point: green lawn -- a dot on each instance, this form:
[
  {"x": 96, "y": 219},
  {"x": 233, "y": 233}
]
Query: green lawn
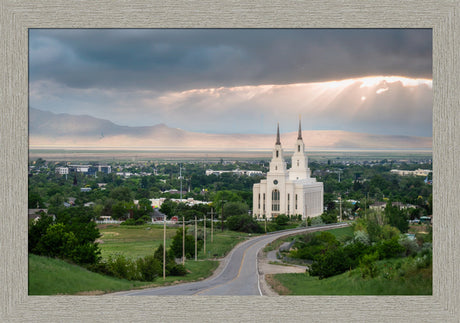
[{"x": 390, "y": 281}]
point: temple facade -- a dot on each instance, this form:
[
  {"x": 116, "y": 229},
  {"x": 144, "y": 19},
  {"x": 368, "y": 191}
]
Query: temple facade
[{"x": 288, "y": 191}]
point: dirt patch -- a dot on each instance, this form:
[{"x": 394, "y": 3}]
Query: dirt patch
[
  {"x": 266, "y": 268},
  {"x": 109, "y": 234},
  {"x": 104, "y": 226},
  {"x": 276, "y": 285}
]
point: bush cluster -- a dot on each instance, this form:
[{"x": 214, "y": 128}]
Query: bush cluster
[
  {"x": 331, "y": 257},
  {"x": 147, "y": 268},
  {"x": 244, "y": 223}
]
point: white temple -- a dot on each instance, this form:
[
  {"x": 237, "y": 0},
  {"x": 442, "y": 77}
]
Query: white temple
[{"x": 288, "y": 191}]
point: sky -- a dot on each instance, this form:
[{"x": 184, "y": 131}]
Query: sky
[{"x": 375, "y": 81}]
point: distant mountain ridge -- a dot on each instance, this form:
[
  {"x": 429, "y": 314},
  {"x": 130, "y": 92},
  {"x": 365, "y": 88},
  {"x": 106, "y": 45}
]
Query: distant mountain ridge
[{"x": 47, "y": 129}]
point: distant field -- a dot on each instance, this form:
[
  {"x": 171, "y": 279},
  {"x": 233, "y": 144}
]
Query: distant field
[
  {"x": 214, "y": 156},
  {"x": 140, "y": 241},
  {"x": 133, "y": 241}
]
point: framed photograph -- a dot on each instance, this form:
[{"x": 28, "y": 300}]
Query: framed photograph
[{"x": 19, "y": 18}]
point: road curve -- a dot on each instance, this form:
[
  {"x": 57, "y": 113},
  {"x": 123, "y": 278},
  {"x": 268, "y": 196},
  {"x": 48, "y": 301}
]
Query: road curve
[{"x": 240, "y": 273}]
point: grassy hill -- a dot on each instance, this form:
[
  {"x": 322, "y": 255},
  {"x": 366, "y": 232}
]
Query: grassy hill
[
  {"x": 48, "y": 276},
  {"x": 396, "y": 277}
]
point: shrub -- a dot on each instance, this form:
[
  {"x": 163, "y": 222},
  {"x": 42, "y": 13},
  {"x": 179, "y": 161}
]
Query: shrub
[
  {"x": 316, "y": 221},
  {"x": 332, "y": 262},
  {"x": 410, "y": 246},
  {"x": 362, "y": 237},
  {"x": 244, "y": 223},
  {"x": 176, "y": 269},
  {"x": 149, "y": 268},
  {"x": 367, "y": 265},
  {"x": 329, "y": 217},
  {"x": 121, "y": 267},
  {"x": 130, "y": 222},
  {"x": 389, "y": 248}
]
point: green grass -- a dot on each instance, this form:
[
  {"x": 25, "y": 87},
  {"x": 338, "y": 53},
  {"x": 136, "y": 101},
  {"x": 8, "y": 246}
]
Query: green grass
[
  {"x": 140, "y": 241},
  {"x": 133, "y": 241},
  {"x": 197, "y": 270},
  {"x": 49, "y": 276},
  {"x": 342, "y": 233},
  {"x": 391, "y": 281}
]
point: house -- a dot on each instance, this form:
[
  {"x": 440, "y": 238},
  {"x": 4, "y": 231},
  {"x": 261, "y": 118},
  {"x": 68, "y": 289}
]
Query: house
[{"x": 35, "y": 214}]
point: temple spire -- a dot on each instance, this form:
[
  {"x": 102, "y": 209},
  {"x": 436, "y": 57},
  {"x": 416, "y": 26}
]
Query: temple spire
[
  {"x": 300, "y": 130},
  {"x": 278, "y": 141}
]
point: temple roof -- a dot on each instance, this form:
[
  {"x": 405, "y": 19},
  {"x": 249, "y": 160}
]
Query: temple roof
[{"x": 278, "y": 142}]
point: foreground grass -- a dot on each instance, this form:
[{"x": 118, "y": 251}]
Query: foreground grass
[
  {"x": 409, "y": 282},
  {"x": 49, "y": 276}
]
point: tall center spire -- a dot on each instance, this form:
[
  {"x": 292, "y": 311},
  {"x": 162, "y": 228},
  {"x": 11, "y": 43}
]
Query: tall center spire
[
  {"x": 278, "y": 141},
  {"x": 300, "y": 130}
]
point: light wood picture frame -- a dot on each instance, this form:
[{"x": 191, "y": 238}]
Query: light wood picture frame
[{"x": 17, "y": 17}]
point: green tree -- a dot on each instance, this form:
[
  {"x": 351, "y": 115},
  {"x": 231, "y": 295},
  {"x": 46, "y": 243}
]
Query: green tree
[
  {"x": 176, "y": 244},
  {"x": 243, "y": 223},
  {"x": 121, "y": 194},
  {"x": 35, "y": 201},
  {"x": 396, "y": 218},
  {"x": 235, "y": 208}
]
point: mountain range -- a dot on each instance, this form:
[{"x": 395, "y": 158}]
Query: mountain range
[{"x": 47, "y": 129}]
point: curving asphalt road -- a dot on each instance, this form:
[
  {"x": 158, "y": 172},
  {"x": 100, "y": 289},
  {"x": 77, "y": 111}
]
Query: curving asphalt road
[{"x": 239, "y": 276}]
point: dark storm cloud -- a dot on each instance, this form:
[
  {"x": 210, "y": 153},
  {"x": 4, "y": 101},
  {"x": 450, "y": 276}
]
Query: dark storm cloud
[{"x": 171, "y": 59}]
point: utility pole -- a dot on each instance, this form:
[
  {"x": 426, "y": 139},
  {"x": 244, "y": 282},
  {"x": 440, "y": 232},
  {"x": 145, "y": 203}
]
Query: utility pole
[
  {"x": 183, "y": 240},
  {"x": 164, "y": 247},
  {"x": 212, "y": 225},
  {"x": 340, "y": 204},
  {"x": 265, "y": 224},
  {"x": 180, "y": 176},
  {"x": 204, "y": 229},
  {"x": 222, "y": 213},
  {"x": 196, "y": 239}
]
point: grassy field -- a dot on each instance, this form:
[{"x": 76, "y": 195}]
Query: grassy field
[
  {"x": 49, "y": 276},
  {"x": 133, "y": 241},
  {"x": 399, "y": 282},
  {"x": 140, "y": 241}
]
